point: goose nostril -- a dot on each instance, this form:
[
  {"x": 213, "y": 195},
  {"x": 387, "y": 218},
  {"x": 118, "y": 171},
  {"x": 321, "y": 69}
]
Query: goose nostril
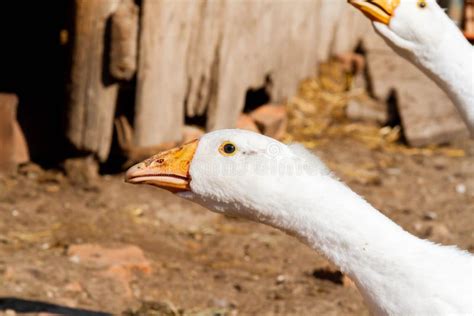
[{"x": 160, "y": 161}]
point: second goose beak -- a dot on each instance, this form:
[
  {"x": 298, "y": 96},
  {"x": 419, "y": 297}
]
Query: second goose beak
[{"x": 377, "y": 10}]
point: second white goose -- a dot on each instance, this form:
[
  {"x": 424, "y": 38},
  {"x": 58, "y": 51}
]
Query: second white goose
[{"x": 421, "y": 32}]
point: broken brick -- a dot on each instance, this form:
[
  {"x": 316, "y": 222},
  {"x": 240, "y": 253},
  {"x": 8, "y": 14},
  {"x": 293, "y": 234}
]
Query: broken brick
[
  {"x": 271, "y": 119},
  {"x": 118, "y": 264},
  {"x": 128, "y": 256}
]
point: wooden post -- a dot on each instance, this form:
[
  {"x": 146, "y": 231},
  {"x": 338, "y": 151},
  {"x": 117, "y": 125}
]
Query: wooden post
[
  {"x": 123, "y": 51},
  {"x": 161, "y": 78},
  {"x": 93, "y": 95}
]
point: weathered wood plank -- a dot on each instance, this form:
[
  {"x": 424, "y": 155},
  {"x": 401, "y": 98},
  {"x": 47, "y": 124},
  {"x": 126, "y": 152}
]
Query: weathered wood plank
[
  {"x": 161, "y": 80},
  {"x": 124, "y": 41},
  {"x": 204, "y": 55},
  {"x": 93, "y": 95},
  {"x": 279, "y": 41}
]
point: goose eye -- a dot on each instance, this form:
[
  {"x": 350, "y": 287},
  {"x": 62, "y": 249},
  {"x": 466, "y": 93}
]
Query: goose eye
[
  {"x": 227, "y": 149},
  {"x": 422, "y": 4}
]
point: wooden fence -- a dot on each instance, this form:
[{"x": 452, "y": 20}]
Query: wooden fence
[
  {"x": 167, "y": 63},
  {"x": 193, "y": 58}
]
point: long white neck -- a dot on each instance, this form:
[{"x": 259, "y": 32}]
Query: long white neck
[
  {"x": 396, "y": 272},
  {"x": 383, "y": 259},
  {"x": 346, "y": 229},
  {"x": 451, "y": 65}
]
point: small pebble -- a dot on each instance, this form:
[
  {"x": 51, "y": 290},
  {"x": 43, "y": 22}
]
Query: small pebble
[
  {"x": 393, "y": 171},
  {"x": 32, "y": 175},
  {"x": 430, "y": 216},
  {"x": 10, "y": 312},
  {"x": 15, "y": 213},
  {"x": 52, "y": 188},
  {"x": 438, "y": 232},
  {"x": 280, "y": 279},
  {"x": 461, "y": 188},
  {"x": 137, "y": 212},
  {"x": 418, "y": 226},
  {"x": 221, "y": 302},
  {"x": 45, "y": 246}
]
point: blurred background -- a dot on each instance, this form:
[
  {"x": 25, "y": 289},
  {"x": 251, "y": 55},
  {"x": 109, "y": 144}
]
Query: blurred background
[{"x": 89, "y": 87}]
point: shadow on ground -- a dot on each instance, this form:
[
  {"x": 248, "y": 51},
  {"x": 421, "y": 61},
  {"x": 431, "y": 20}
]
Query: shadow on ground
[{"x": 27, "y": 306}]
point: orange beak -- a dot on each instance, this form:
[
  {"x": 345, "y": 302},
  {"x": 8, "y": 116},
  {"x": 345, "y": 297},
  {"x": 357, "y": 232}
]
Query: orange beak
[
  {"x": 167, "y": 170},
  {"x": 377, "y": 10}
]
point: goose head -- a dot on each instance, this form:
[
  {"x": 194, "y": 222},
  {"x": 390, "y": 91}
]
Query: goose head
[
  {"x": 406, "y": 24},
  {"x": 234, "y": 172}
]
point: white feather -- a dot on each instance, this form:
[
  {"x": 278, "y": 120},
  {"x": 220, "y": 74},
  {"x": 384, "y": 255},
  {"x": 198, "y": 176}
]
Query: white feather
[{"x": 429, "y": 39}]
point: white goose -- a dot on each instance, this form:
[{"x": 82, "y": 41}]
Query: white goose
[
  {"x": 240, "y": 173},
  {"x": 420, "y": 31}
]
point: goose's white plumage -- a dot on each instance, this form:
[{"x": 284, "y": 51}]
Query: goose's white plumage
[
  {"x": 421, "y": 32},
  {"x": 289, "y": 188}
]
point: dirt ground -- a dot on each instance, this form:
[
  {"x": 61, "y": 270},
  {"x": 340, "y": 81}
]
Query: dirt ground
[{"x": 161, "y": 255}]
